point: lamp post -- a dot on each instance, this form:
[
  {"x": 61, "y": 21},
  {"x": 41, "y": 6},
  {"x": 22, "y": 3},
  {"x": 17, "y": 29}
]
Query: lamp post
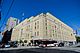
[
  {"x": 20, "y": 37},
  {"x": 32, "y": 40}
]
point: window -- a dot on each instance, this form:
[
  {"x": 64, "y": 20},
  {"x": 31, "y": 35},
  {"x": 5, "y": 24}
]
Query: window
[
  {"x": 37, "y": 33},
  {"x": 46, "y": 33},
  {"x": 55, "y": 26},
  {"x": 46, "y": 24},
  {"x": 53, "y": 34},
  {"x": 50, "y": 35},
  {"x": 46, "y": 28},
  {"x": 45, "y": 20},
  {"x": 37, "y": 26},
  {"x": 28, "y": 35},
  {"x": 37, "y": 22},
  {"x": 71, "y": 34},
  {"x": 29, "y": 25},
  {"x": 53, "y": 31}
]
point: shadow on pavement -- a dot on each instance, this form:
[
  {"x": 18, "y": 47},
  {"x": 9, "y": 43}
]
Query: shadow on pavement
[{"x": 37, "y": 50}]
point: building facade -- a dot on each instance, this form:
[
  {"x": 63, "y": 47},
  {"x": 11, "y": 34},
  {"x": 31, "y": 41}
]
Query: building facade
[
  {"x": 12, "y": 22},
  {"x": 43, "y": 27}
]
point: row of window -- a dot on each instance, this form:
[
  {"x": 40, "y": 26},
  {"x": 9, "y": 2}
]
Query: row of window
[
  {"x": 58, "y": 23},
  {"x": 37, "y": 25},
  {"x": 37, "y": 33}
]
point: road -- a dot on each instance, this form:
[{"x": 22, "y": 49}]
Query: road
[{"x": 40, "y": 50}]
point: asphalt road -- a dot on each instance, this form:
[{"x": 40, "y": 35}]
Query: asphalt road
[{"x": 38, "y": 50}]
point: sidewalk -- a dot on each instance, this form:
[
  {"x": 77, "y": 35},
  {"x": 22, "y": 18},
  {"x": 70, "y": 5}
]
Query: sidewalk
[{"x": 19, "y": 47}]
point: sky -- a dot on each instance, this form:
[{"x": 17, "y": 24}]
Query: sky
[{"x": 67, "y": 11}]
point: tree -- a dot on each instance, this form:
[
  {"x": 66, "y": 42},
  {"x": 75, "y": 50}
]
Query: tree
[
  {"x": 77, "y": 38},
  {"x": 25, "y": 41},
  {"x": 20, "y": 41}
]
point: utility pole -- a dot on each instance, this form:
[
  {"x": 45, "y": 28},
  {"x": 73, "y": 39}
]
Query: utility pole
[{"x": 77, "y": 29}]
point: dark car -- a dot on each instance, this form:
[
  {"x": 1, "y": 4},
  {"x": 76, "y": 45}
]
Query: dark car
[
  {"x": 13, "y": 44},
  {"x": 61, "y": 45}
]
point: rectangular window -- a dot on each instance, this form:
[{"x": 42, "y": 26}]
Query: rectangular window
[
  {"x": 46, "y": 28},
  {"x": 46, "y": 24},
  {"x": 37, "y": 26},
  {"x": 29, "y": 25},
  {"x": 28, "y": 35},
  {"x": 46, "y": 20},
  {"x": 53, "y": 34},
  {"x": 53, "y": 31},
  {"x": 50, "y": 35},
  {"x": 37, "y": 33},
  {"x": 71, "y": 34},
  {"x": 37, "y": 22},
  {"x": 46, "y": 32}
]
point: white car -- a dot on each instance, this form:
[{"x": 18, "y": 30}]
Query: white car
[
  {"x": 56, "y": 44},
  {"x": 46, "y": 45},
  {"x": 50, "y": 45},
  {"x": 7, "y": 46},
  {"x": 42, "y": 45}
]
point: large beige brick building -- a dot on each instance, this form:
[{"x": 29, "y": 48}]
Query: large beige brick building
[{"x": 43, "y": 27}]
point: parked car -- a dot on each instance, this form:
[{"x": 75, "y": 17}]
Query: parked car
[
  {"x": 2, "y": 46},
  {"x": 76, "y": 45},
  {"x": 42, "y": 45},
  {"x": 56, "y": 44},
  {"x": 13, "y": 44},
  {"x": 50, "y": 45},
  {"x": 61, "y": 45},
  {"x": 7, "y": 45}
]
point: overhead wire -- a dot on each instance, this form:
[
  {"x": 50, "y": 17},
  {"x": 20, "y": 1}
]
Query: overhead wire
[{"x": 7, "y": 14}]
